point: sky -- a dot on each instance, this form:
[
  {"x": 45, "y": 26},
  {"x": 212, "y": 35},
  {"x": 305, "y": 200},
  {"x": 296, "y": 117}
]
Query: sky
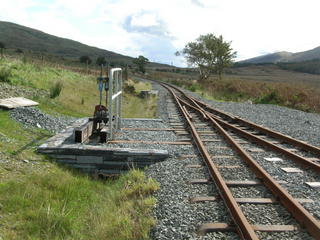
[{"x": 157, "y": 29}]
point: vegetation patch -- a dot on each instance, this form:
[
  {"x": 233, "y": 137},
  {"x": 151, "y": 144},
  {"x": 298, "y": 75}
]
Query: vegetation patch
[
  {"x": 59, "y": 204},
  {"x": 242, "y": 88},
  {"x": 55, "y": 90},
  {"x": 40, "y": 200},
  {"x": 134, "y": 106}
]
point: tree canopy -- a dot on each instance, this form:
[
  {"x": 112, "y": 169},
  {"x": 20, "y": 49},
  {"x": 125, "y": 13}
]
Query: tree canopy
[
  {"x": 101, "y": 61},
  {"x": 210, "y": 54},
  {"x": 2, "y": 46},
  {"x": 140, "y": 62},
  {"x": 85, "y": 59}
]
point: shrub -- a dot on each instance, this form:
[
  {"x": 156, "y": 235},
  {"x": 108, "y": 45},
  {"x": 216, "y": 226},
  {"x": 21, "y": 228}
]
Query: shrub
[
  {"x": 270, "y": 98},
  {"x": 5, "y": 74},
  {"x": 194, "y": 87},
  {"x": 129, "y": 89},
  {"x": 55, "y": 90}
]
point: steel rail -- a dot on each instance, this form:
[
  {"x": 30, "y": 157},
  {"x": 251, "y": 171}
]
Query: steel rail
[
  {"x": 284, "y": 138},
  {"x": 297, "y": 158},
  {"x": 293, "y": 206},
  {"x": 244, "y": 228}
]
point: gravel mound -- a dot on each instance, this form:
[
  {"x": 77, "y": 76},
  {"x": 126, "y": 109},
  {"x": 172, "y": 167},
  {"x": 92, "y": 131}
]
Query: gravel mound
[
  {"x": 33, "y": 117},
  {"x": 7, "y": 90}
]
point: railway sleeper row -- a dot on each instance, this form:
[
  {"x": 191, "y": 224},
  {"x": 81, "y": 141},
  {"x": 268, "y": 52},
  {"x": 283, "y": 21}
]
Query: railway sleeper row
[{"x": 245, "y": 229}]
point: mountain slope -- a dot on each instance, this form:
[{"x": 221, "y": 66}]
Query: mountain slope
[
  {"x": 286, "y": 57},
  {"x": 17, "y": 36},
  {"x": 269, "y": 58}
]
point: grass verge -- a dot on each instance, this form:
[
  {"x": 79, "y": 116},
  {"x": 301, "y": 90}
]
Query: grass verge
[
  {"x": 40, "y": 200},
  {"x": 59, "y": 204}
]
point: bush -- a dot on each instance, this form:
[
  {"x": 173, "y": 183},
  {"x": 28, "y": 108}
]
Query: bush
[
  {"x": 270, "y": 98},
  {"x": 55, "y": 90},
  {"x": 5, "y": 74},
  {"x": 194, "y": 87}
]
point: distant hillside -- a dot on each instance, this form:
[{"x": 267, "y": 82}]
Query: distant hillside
[
  {"x": 285, "y": 57},
  {"x": 16, "y": 36},
  {"x": 269, "y": 58}
]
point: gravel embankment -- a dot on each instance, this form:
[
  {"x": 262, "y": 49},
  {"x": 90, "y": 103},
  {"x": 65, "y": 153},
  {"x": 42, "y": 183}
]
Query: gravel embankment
[{"x": 33, "y": 117}]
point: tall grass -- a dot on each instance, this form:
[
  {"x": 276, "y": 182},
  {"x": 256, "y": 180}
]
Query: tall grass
[
  {"x": 133, "y": 105},
  {"x": 298, "y": 95},
  {"x": 78, "y": 89},
  {"x": 5, "y": 74},
  {"x": 55, "y": 89},
  {"x": 39, "y": 200},
  {"x": 60, "y": 204}
]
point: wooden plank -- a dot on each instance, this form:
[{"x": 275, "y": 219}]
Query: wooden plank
[
  {"x": 203, "y": 199},
  {"x": 210, "y": 140},
  {"x": 275, "y": 228},
  {"x": 245, "y": 200},
  {"x": 228, "y": 166},
  {"x": 200, "y": 181},
  {"x": 222, "y": 156},
  {"x": 148, "y": 142},
  {"x": 223, "y": 227},
  {"x": 10, "y": 103},
  {"x": 188, "y": 156},
  {"x": 82, "y": 133},
  {"x": 243, "y": 183},
  {"x": 148, "y": 129},
  {"x": 194, "y": 166}
]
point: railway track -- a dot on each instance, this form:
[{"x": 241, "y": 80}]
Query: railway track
[{"x": 213, "y": 130}]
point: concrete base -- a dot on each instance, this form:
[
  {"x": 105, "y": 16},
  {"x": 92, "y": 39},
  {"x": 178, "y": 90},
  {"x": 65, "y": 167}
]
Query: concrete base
[{"x": 97, "y": 158}]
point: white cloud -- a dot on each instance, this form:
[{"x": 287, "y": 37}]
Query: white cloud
[
  {"x": 128, "y": 27},
  {"x": 144, "y": 20}
]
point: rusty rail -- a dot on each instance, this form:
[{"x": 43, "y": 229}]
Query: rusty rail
[{"x": 245, "y": 230}]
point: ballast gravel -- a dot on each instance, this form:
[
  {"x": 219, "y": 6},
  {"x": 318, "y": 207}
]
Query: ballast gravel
[
  {"x": 179, "y": 219},
  {"x": 176, "y": 217}
]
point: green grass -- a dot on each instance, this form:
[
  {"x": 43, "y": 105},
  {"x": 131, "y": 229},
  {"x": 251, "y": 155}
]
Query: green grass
[
  {"x": 18, "y": 141},
  {"x": 59, "y": 204},
  {"x": 79, "y": 93},
  {"x": 133, "y": 105},
  {"x": 39, "y": 199}
]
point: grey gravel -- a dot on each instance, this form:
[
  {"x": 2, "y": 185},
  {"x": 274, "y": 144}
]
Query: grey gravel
[
  {"x": 33, "y": 117},
  {"x": 7, "y": 91},
  {"x": 174, "y": 217}
]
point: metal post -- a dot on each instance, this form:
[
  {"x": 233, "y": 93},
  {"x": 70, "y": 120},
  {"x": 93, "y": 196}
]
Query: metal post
[{"x": 115, "y": 85}]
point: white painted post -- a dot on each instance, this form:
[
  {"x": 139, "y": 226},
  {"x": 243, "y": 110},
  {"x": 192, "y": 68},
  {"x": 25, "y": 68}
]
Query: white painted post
[{"x": 115, "y": 85}]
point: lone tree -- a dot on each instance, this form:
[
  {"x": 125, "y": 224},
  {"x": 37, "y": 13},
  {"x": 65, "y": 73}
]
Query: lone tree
[
  {"x": 85, "y": 59},
  {"x": 141, "y": 61},
  {"x": 210, "y": 54},
  {"x": 101, "y": 61},
  {"x": 2, "y": 46}
]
